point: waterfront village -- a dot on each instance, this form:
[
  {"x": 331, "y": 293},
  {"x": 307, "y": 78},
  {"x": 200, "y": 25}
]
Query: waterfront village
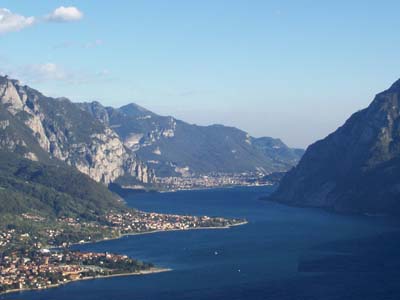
[
  {"x": 213, "y": 180},
  {"x": 25, "y": 269},
  {"x": 28, "y": 261}
]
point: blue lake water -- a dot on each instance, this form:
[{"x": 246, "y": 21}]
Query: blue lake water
[{"x": 282, "y": 253}]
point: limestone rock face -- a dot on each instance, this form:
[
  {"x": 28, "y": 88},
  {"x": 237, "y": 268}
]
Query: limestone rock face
[
  {"x": 103, "y": 158},
  {"x": 68, "y": 133},
  {"x": 10, "y": 96}
]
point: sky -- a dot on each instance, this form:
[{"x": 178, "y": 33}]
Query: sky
[{"x": 295, "y": 70}]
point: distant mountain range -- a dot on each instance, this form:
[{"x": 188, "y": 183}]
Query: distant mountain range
[
  {"x": 57, "y": 157},
  {"x": 129, "y": 144},
  {"x": 44, "y": 141},
  {"x": 174, "y": 148},
  {"x": 354, "y": 169}
]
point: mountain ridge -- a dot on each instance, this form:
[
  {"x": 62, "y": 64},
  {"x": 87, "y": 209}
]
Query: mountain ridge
[
  {"x": 129, "y": 144},
  {"x": 67, "y": 133},
  {"x": 170, "y": 144},
  {"x": 354, "y": 169}
]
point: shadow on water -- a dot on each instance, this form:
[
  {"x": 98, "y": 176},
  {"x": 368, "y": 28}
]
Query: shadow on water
[{"x": 365, "y": 268}]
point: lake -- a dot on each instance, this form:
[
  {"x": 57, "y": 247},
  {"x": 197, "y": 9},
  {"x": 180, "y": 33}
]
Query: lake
[{"x": 282, "y": 253}]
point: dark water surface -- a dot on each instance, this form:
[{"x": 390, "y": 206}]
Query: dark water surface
[{"x": 283, "y": 253}]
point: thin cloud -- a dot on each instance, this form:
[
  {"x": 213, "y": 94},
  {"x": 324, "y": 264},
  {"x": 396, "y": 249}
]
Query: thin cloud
[
  {"x": 93, "y": 44},
  {"x": 10, "y": 21},
  {"x": 74, "y": 44},
  {"x": 52, "y": 72},
  {"x": 64, "y": 45},
  {"x": 65, "y": 14},
  {"x": 44, "y": 72},
  {"x": 103, "y": 73}
]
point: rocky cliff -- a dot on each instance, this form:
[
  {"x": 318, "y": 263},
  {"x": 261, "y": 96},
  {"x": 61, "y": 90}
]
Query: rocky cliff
[
  {"x": 354, "y": 169},
  {"x": 66, "y": 132},
  {"x": 175, "y": 148}
]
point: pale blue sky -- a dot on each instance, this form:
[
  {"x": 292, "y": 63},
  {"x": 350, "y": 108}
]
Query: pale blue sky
[{"x": 289, "y": 69}]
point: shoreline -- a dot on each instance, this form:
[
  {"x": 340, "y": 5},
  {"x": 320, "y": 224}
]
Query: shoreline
[
  {"x": 160, "y": 231},
  {"x": 150, "y": 232},
  {"x": 210, "y": 188},
  {"x": 52, "y": 286},
  {"x": 154, "y": 270},
  {"x": 161, "y": 190}
]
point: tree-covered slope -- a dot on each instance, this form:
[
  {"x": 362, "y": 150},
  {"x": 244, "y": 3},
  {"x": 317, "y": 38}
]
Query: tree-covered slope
[{"x": 51, "y": 190}]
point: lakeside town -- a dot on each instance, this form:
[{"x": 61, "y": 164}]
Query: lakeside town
[
  {"x": 30, "y": 261},
  {"x": 139, "y": 222},
  {"x": 40, "y": 269},
  {"x": 213, "y": 180}
]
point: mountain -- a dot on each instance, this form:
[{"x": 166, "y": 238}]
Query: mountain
[
  {"x": 129, "y": 145},
  {"x": 42, "y": 128},
  {"x": 354, "y": 169},
  {"x": 278, "y": 151},
  {"x": 50, "y": 190},
  {"x": 174, "y": 148}
]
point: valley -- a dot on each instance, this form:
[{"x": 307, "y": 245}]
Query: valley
[{"x": 199, "y": 150}]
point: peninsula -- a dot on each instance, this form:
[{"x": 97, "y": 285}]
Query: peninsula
[{"x": 44, "y": 260}]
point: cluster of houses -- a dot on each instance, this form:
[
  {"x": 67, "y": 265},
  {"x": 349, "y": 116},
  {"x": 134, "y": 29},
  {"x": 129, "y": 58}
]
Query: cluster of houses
[
  {"x": 42, "y": 269},
  {"x": 211, "y": 180},
  {"x": 6, "y": 237},
  {"x": 143, "y": 222}
]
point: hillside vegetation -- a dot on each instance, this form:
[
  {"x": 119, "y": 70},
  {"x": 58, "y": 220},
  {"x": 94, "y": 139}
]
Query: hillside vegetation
[{"x": 50, "y": 190}]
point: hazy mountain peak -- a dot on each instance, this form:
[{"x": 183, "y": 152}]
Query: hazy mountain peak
[{"x": 134, "y": 109}]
